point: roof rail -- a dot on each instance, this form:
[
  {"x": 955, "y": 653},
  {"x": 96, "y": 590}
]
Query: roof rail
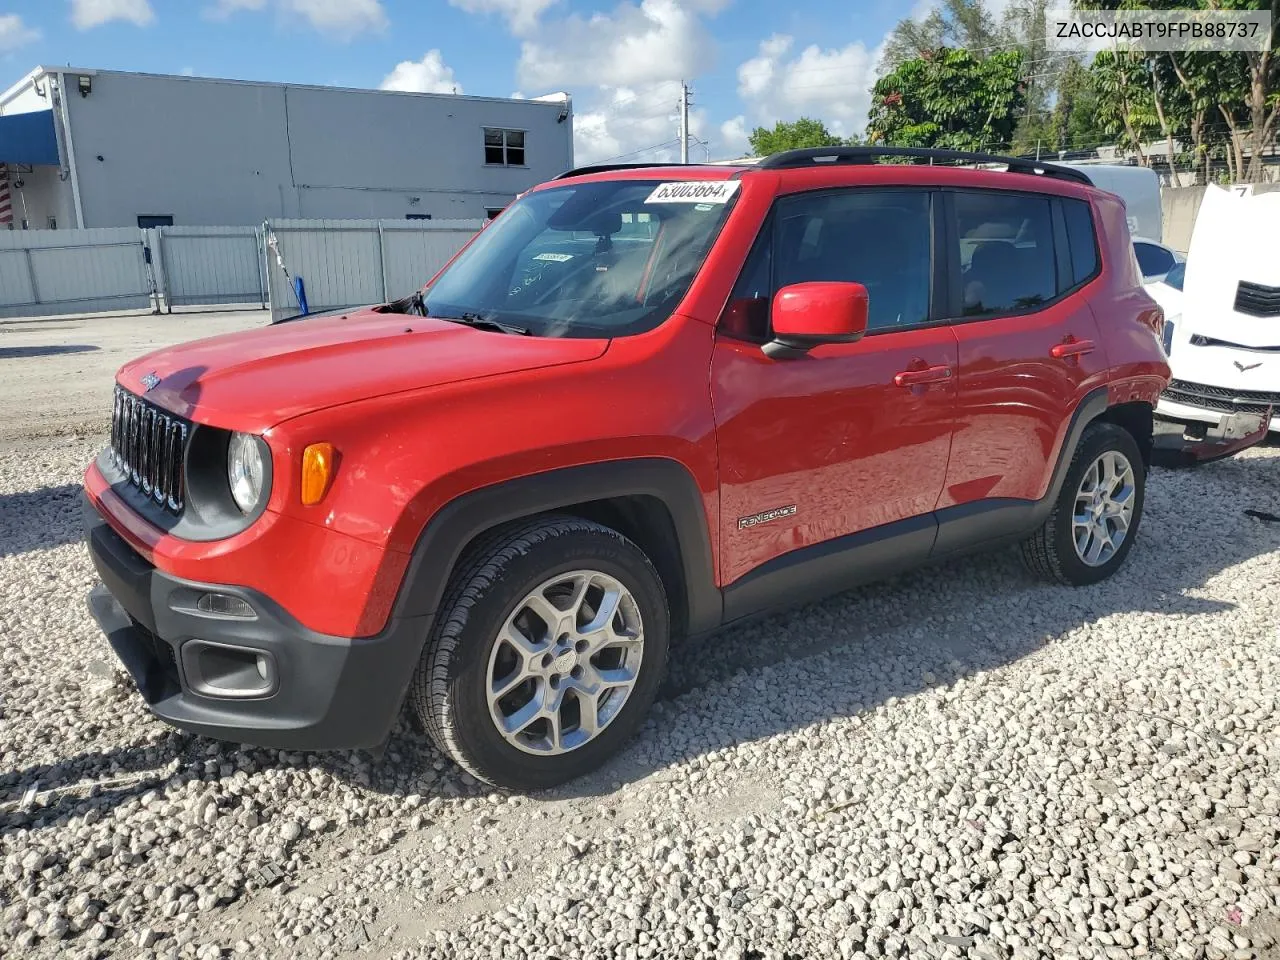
[
  {"x": 817, "y": 156},
  {"x": 606, "y": 167}
]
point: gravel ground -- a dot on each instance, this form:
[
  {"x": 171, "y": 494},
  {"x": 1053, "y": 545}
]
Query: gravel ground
[
  {"x": 959, "y": 763},
  {"x": 58, "y": 371}
]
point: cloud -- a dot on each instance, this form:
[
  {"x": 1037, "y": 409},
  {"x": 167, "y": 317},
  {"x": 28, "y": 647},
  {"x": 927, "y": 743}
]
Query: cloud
[
  {"x": 521, "y": 15},
  {"x": 428, "y": 75},
  {"x": 341, "y": 18},
  {"x": 636, "y": 124},
  {"x": 832, "y": 85},
  {"x": 733, "y": 137},
  {"x": 14, "y": 33},
  {"x": 635, "y": 55},
  {"x": 87, "y": 14},
  {"x": 652, "y": 41},
  {"x": 226, "y": 8}
]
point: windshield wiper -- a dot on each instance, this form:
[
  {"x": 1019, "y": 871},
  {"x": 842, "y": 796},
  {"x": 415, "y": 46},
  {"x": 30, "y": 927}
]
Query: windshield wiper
[{"x": 486, "y": 323}]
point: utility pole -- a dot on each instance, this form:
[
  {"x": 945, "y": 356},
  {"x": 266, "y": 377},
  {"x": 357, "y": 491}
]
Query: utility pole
[{"x": 684, "y": 122}]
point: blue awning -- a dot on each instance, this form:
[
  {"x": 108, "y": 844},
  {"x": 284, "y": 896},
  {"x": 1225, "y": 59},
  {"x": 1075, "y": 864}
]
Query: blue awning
[{"x": 28, "y": 138}]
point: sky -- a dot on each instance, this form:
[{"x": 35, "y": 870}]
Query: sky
[{"x": 748, "y": 62}]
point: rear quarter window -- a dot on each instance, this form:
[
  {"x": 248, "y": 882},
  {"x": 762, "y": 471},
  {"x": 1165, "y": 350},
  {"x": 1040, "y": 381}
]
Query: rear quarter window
[{"x": 1082, "y": 240}]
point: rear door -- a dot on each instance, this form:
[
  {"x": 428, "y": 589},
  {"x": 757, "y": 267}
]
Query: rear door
[
  {"x": 850, "y": 437},
  {"x": 1029, "y": 345}
]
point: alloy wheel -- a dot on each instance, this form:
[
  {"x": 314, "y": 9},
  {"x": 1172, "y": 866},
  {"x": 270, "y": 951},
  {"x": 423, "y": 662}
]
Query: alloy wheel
[
  {"x": 565, "y": 662},
  {"x": 1104, "y": 508}
]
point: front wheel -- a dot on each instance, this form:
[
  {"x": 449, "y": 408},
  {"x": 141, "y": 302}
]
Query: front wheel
[
  {"x": 546, "y": 655},
  {"x": 1096, "y": 517}
]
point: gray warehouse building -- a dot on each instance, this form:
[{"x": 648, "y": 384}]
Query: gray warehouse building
[{"x": 101, "y": 148}]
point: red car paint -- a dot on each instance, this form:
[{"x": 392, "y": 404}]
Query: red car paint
[{"x": 860, "y": 434}]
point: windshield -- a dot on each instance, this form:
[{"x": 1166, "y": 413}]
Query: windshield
[{"x": 600, "y": 259}]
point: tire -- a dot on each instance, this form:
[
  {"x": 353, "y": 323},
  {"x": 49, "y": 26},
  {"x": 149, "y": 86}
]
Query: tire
[
  {"x": 1051, "y": 552},
  {"x": 495, "y": 594}
]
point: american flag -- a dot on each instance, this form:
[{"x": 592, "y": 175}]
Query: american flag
[{"x": 6, "y": 204}]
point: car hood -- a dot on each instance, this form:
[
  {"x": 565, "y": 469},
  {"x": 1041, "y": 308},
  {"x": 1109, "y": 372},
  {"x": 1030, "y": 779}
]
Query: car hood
[
  {"x": 256, "y": 379},
  {"x": 1233, "y": 241},
  {"x": 1169, "y": 298}
]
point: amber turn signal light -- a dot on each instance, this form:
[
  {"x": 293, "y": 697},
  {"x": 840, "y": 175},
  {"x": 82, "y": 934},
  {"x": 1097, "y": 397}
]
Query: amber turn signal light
[{"x": 317, "y": 472}]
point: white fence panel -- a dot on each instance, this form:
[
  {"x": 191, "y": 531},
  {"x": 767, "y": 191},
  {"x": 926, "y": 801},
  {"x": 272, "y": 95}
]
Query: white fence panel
[
  {"x": 412, "y": 255},
  {"x": 350, "y": 263},
  {"x": 73, "y": 271},
  {"x": 211, "y": 265}
]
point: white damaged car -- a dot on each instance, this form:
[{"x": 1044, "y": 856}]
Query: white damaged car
[{"x": 1222, "y": 327}]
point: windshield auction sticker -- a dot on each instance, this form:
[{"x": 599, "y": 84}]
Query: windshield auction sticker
[{"x": 694, "y": 191}]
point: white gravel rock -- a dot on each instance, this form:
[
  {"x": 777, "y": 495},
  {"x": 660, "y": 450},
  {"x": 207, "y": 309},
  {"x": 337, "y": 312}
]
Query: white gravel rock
[{"x": 962, "y": 762}]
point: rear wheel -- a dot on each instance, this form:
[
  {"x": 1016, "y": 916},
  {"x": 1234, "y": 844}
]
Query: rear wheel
[
  {"x": 546, "y": 655},
  {"x": 1096, "y": 517}
]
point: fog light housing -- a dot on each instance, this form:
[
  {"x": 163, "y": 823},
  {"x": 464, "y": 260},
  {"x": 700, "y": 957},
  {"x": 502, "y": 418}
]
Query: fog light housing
[
  {"x": 227, "y": 671},
  {"x": 225, "y": 605}
]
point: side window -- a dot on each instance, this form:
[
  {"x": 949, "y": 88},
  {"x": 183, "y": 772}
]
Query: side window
[
  {"x": 1153, "y": 259},
  {"x": 879, "y": 238},
  {"x": 1007, "y": 259},
  {"x": 1081, "y": 239}
]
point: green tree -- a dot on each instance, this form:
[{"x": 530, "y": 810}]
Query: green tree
[
  {"x": 949, "y": 99},
  {"x": 1126, "y": 105},
  {"x": 1182, "y": 91},
  {"x": 964, "y": 24},
  {"x": 1074, "y": 122},
  {"x": 794, "y": 135},
  {"x": 1262, "y": 91},
  {"x": 1026, "y": 25}
]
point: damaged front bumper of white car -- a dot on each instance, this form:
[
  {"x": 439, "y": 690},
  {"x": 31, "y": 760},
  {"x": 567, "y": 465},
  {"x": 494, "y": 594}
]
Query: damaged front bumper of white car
[{"x": 1196, "y": 423}]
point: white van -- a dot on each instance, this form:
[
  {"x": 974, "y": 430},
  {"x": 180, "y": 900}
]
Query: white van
[{"x": 1139, "y": 188}]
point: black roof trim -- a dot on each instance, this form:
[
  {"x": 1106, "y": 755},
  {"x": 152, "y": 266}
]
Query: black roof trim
[
  {"x": 819, "y": 156},
  {"x": 607, "y": 167}
]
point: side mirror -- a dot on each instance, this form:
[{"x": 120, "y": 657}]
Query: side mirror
[{"x": 807, "y": 315}]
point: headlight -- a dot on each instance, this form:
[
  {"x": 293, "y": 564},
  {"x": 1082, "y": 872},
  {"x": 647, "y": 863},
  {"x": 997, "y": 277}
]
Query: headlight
[{"x": 245, "y": 471}]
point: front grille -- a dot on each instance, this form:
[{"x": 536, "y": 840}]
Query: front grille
[
  {"x": 148, "y": 445},
  {"x": 1221, "y": 399},
  {"x": 1258, "y": 300}
]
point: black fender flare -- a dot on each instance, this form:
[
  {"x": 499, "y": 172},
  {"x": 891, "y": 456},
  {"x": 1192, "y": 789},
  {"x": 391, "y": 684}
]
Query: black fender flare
[{"x": 447, "y": 534}]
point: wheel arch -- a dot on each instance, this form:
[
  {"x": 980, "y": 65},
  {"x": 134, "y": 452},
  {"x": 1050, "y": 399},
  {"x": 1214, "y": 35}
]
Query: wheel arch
[
  {"x": 1137, "y": 417},
  {"x": 655, "y": 502}
]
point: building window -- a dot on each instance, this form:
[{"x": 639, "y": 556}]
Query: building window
[
  {"x": 147, "y": 221},
  {"x": 53, "y": 223},
  {"x": 503, "y": 148},
  {"x": 491, "y": 212},
  {"x": 417, "y": 216}
]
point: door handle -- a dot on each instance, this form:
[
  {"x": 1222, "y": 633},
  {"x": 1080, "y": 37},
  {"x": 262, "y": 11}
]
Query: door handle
[
  {"x": 917, "y": 378},
  {"x": 1071, "y": 348}
]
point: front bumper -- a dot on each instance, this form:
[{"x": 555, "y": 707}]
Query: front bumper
[
  {"x": 1181, "y": 441},
  {"x": 1190, "y": 413},
  {"x": 266, "y": 680}
]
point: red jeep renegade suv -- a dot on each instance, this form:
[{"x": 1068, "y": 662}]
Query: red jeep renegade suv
[{"x": 642, "y": 403}]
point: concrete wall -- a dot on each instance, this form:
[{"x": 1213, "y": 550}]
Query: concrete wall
[
  {"x": 1180, "y": 207},
  {"x": 227, "y": 153}
]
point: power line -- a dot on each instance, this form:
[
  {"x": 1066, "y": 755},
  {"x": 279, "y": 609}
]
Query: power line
[{"x": 656, "y": 146}]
